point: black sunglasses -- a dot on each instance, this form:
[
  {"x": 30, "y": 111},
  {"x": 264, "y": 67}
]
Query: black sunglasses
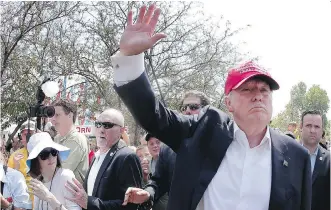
[
  {"x": 106, "y": 125},
  {"x": 192, "y": 107},
  {"x": 46, "y": 152}
]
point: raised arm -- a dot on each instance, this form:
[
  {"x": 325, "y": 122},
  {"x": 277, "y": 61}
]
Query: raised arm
[{"x": 133, "y": 87}]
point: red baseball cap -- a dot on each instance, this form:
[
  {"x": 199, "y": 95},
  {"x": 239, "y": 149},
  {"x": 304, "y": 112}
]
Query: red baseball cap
[{"x": 238, "y": 76}]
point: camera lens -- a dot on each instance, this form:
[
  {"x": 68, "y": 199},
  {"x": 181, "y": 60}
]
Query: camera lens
[{"x": 47, "y": 111}]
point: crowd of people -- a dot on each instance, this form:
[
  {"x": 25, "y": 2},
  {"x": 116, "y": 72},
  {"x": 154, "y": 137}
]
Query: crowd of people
[{"x": 195, "y": 158}]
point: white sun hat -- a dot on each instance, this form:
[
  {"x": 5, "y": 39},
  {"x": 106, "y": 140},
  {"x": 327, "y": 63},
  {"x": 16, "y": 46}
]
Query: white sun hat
[{"x": 39, "y": 141}]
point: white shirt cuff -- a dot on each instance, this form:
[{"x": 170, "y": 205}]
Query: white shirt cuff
[{"x": 127, "y": 68}]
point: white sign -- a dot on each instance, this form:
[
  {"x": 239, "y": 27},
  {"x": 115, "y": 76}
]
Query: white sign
[{"x": 85, "y": 129}]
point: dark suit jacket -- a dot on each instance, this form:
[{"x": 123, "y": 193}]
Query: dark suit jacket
[
  {"x": 120, "y": 169},
  {"x": 201, "y": 143},
  {"x": 321, "y": 181},
  {"x": 161, "y": 180}
]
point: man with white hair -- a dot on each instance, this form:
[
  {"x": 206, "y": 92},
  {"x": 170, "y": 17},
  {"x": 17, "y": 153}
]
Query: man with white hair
[
  {"x": 221, "y": 164},
  {"x": 114, "y": 168}
]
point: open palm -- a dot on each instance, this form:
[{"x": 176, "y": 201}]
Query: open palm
[{"x": 140, "y": 36}]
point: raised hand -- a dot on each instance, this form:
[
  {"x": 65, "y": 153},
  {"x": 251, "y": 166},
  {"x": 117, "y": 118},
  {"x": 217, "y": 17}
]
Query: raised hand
[
  {"x": 17, "y": 158},
  {"x": 38, "y": 189},
  {"x": 140, "y": 36},
  {"x": 77, "y": 190},
  {"x": 136, "y": 196}
]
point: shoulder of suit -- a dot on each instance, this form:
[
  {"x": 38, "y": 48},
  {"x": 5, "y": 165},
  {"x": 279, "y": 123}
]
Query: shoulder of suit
[
  {"x": 326, "y": 152},
  {"x": 293, "y": 145},
  {"x": 214, "y": 112},
  {"x": 125, "y": 151}
]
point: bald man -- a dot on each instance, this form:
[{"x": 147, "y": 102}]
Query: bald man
[{"x": 114, "y": 168}]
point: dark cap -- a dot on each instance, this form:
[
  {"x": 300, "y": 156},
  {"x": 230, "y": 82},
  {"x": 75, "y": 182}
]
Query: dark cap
[{"x": 149, "y": 136}]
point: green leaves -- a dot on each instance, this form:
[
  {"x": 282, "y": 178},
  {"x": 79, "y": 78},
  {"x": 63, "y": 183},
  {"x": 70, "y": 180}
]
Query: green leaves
[{"x": 301, "y": 100}]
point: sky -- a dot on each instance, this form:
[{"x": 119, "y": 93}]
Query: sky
[{"x": 291, "y": 38}]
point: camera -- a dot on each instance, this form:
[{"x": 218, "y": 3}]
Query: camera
[{"x": 41, "y": 111}]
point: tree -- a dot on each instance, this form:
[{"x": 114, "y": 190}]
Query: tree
[
  {"x": 22, "y": 58},
  {"x": 317, "y": 99},
  {"x": 76, "y": 40},
  {"x": 297, "y": 101},
  {"x": 313, "y": 99}
]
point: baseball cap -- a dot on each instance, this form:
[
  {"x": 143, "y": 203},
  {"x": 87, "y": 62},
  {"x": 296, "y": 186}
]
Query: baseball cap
[
  {"x": 24, "y": 126},
  {"x": 238, "y": 76}
]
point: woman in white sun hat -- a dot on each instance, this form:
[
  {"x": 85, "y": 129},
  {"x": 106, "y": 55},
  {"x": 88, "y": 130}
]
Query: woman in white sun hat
[{"x": 48, "y": 184}]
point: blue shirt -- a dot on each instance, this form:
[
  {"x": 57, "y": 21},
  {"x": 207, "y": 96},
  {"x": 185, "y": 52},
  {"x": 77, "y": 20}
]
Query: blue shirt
[
  {"x": 15, "y": 187},
  {"x": 313, "y": 159}
]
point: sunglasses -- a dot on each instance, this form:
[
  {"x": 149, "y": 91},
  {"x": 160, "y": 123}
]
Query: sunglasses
[
  {"x": 44, "y": 155},
  {"x": 106, "y": 125},
  {"x": 191, "y": 106}
]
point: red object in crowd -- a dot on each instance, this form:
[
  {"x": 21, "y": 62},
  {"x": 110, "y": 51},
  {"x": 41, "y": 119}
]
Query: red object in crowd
[
  {"x": 238, "y": 76},
  {"x": 10, "y": 199},
  {"x": 91, "y": 156}
]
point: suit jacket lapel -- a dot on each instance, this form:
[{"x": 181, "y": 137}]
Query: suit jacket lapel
[
  {"x": 318, "y": 163},
  {"x": 279, "y": 178},
  {"x": 109, "y": 156},
  {"x": 220, "y": 138}
]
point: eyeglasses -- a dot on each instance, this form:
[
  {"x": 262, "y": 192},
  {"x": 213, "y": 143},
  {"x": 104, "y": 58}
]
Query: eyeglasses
[
  {"x": 191, "y": 106},
  {"x": 106, "y": 125},
  {"x": 46, "y": 152}
]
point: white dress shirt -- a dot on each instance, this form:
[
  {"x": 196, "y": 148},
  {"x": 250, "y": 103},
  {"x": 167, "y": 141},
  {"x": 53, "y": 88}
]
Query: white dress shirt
[
  {"x": 243, "y": 180},
  {"x": 15, "y": 187},
  {"x": 99, "y": 158}
]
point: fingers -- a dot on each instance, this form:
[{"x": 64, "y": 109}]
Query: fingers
[
  {"x": 154, "y": 20},
  {"x": 73, "y": 192},
  {"x": 79, "y": 185},
  {"x": 74, "y": 187},
  {"x": 149, "y": 14},
  {"x": 127, "y": 195},
  {"x": 157, "y": 37},
  {"x": 70, "y": 199},
  {"x": 142, "y": 192},
  {"x": 130, "y": 14},
  {"x": 34, "y": 182},
  {"x": 141, "y": 14}
]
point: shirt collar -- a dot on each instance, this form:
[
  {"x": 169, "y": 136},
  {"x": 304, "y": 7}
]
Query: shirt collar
[
  {"x": 238, "y": 134},
  {"x": 315, "y": 152},
  {"x": 62, "y": 138}
]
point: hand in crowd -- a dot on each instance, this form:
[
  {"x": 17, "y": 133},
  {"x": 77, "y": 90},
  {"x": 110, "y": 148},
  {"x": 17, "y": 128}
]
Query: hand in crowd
[
  {"x": 40, "y": 190},
  {"x": 136, "y": 196},
  {"x": 78, "y": 192},
  {"x": 17, "y": 158},
  {"x": 140, "y": 36}
]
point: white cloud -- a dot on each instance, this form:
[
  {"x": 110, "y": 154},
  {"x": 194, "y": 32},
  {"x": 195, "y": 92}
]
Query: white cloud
[{"x": 291, "y": 38}]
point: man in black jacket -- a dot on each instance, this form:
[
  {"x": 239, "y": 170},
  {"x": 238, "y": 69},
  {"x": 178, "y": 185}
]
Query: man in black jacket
[
  {"x": 114, "y": 168},
  {"x": 220, "y": 164},
  {"x": 160, "y": 182},
  {"x": 311, "y": 134}
]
